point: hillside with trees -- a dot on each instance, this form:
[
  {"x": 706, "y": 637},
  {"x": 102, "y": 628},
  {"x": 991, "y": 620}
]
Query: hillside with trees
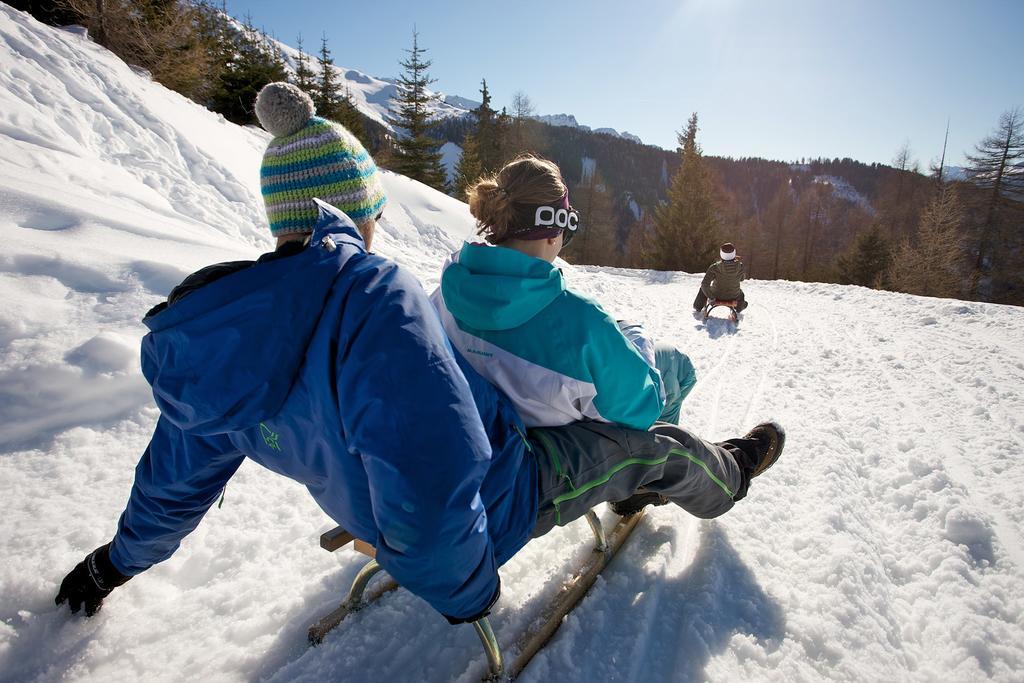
[{"x": 829, "y": 220}]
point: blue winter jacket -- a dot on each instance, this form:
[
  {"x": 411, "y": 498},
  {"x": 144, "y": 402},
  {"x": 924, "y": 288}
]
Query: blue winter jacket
[{"x": 331, "y": 368}]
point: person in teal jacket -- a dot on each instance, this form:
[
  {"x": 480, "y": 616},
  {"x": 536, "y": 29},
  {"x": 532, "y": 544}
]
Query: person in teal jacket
[
  {"x": 558, "y": 355},
  {"x": 560, "y": 358}
]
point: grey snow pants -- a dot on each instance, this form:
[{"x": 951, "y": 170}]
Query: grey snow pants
[{"x": 584, "y": 464}]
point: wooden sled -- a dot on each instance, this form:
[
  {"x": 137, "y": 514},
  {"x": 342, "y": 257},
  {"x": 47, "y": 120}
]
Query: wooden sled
[{"x": 533, "y": 638}]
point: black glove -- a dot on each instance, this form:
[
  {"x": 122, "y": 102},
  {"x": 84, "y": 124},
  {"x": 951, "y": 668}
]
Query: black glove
[
  {"x": 477, "y": 617},
  {"x": 90, "y": 581}
]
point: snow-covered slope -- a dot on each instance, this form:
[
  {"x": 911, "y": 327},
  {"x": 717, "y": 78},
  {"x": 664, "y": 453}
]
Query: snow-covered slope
[{"x": 886, "y": 545}]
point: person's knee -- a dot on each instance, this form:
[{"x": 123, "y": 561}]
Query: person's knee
[{"x": 674, "y": 432}]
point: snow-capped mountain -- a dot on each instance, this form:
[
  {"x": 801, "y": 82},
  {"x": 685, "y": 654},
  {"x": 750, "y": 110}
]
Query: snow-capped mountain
[
  {"x": 569, "y": 121},
  {"x": 887, "y": 544},
  {"x": 461, "y": 102},
  {"x": 616, "y": 134}
]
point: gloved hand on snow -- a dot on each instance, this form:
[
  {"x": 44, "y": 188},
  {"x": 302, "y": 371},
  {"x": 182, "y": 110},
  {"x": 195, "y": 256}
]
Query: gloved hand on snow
[{"x": 90, "y": 581}]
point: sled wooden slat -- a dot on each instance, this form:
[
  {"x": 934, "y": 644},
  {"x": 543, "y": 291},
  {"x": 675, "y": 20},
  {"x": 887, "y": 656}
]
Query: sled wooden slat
[
  {"x": 365, "y": 548},
  {"x": 335, "y": 539},
  {"x": 574, "y": 590}
]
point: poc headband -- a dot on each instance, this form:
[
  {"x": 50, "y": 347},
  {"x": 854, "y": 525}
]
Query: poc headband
[{"x": 538, "y": 222}]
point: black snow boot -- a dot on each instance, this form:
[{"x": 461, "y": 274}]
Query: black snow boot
[
  {"x": 637, "y": 502},
  {"x": 756, "y": 451},
  {"x": 771, "y": 438}
]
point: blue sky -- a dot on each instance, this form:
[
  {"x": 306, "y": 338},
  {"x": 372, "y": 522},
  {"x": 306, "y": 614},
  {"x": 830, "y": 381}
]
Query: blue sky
[{"x": 779, "y": 79}]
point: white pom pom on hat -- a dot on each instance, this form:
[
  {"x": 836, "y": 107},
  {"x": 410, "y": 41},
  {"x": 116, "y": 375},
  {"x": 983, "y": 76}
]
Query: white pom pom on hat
[
  {"x": 727, "y": 251},
  {"x": 283, "y": 109}
]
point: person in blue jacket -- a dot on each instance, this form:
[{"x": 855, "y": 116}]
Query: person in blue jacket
[{"x": 328, "y": 364}]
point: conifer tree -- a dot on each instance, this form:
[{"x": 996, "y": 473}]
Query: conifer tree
[
  {"x": 468, "y": 170},
  {"x": 331, "y": 101},
  {"x": 481, "y": 147},
  {"x": 327, "y": 93},
  {"x": 304, "y": 76},
  {"x": 415, "y": 153},
  {"x": 352, "y": 118},
  {"x": 997, "y": 166},
  {"x": 489, "y": 132},
  {"x": 247, "y": 64},
  {"x": 935, "y": 266},
  {"x": 867, "y": 261},
  {"x": 686, "y": 229}
]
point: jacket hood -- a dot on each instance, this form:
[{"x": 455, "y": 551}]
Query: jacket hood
[
  {"x": 224, "y": 357},
  {"x": 497, "y": 288}
]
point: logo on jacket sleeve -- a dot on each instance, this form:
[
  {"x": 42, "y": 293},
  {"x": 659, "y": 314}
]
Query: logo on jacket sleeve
[{"x": 270, "y": 437}]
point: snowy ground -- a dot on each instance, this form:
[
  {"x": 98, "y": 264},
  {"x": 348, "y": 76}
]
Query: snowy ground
[{"x": 886, "y": 545}]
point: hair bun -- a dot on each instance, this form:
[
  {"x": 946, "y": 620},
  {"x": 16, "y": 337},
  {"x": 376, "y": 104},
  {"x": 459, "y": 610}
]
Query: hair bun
[{"x": 283, "y": 109}]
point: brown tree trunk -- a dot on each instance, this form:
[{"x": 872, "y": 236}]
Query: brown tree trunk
[
  {"x": 100, "y": 36},
  {"x": 990, "y": 215}
]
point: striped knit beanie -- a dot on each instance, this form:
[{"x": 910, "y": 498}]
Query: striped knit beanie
[{"x": 311, "y": 157}]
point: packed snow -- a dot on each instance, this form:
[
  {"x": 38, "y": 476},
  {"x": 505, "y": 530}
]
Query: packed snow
[{"x": 885, "y": 545}]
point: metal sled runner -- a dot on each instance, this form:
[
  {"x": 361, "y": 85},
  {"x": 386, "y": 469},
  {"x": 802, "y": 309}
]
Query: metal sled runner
[
  {"x": 533, "y": 638},
  {"x": 715, "y": 303}
]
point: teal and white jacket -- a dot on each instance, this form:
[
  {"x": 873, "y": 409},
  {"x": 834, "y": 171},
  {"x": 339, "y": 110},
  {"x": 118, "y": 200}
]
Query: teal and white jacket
[{"x": 558, "y": 355}]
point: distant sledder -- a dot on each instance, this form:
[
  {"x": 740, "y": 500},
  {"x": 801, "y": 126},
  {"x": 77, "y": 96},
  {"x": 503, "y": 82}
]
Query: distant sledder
[{"x": 721, "y": 286}]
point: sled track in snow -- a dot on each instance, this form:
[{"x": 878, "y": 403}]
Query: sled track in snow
[
  {"x": 706, "y": 381},
  {"x": 767, "y": 364},
  {"x": 755, "y": 395}
]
